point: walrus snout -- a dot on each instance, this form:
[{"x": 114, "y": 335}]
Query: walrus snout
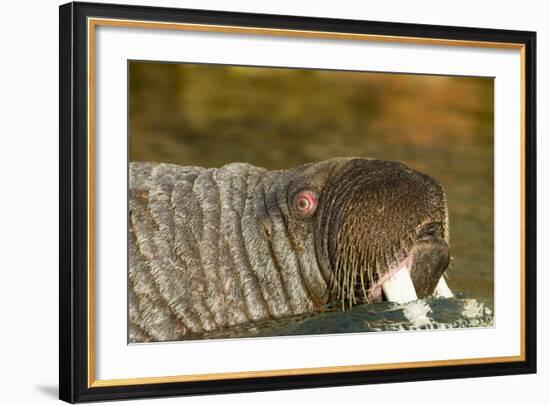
[{"x": 384, "y": 229}]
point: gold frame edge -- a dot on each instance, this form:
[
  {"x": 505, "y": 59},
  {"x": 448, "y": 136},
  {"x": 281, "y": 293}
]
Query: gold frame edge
[{"x": 91, "y": 25}]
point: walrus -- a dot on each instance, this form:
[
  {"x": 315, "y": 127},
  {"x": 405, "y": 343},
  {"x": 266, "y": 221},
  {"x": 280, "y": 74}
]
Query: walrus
[{"x": 215, "y": 248}]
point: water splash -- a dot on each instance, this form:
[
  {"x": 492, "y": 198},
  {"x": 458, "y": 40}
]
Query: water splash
[{"x": 422, "y": 314}]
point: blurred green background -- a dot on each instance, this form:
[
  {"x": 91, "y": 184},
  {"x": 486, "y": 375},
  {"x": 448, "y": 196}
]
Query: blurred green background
[{"x": 210, "y": 115}]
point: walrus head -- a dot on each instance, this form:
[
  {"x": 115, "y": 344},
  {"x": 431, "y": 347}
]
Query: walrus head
[{"x": 378, "y": 226}]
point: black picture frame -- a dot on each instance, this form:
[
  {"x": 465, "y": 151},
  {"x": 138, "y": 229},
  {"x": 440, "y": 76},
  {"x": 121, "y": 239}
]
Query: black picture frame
[{"x": 74, "y": 199}]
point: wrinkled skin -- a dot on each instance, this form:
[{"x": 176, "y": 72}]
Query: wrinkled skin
[{"x": 211, "y": 249}]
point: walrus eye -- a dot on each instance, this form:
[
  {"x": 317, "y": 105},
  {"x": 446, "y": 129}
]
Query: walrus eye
[{"x": 305, "y": 202}]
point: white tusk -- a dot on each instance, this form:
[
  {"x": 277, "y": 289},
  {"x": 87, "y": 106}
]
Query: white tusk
[
  {"x": 442, "y": 290},
  {"x": 399, "y": 288}
]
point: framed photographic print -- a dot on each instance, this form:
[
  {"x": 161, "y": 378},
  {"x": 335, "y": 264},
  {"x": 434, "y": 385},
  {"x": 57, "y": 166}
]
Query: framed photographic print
[{"x": 252, "y": 202}]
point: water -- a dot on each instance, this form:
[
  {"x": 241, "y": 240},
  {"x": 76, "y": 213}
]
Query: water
[
  {"x": 279, "y": 118},
  {"x": 422, "y": 314}
]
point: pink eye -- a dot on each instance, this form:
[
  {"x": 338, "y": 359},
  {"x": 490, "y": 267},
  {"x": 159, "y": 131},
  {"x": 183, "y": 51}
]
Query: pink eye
[{"x": 305, "y": 202}]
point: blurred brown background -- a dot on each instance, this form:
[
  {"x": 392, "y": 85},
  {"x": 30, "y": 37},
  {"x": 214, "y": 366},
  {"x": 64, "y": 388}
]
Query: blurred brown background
[{"x": 210, "y": 115}]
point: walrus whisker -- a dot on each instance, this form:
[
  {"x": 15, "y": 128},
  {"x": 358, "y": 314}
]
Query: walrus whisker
[
  {"x": 404, "y": 248},
  {"x": 381, "y": 259},
  {"x": 347, "y": 281},
  {"x": 341, "y": 273},
  {"x": 372, "y": 260},
  {"x": 388, "y": 261},
  {"x": 336, "y": 277},
  {"x": 351, "y": 273},
  {"x": 351, "y": 290},
  {"x": 395, "y": 255},
  {"x": 363, "y": 289},
  {"x": 357, "y": 271},
  {"x": 343, "y": 285},
  {"x": 376, "y": 259},
  {"x": 350, "y": 276}
]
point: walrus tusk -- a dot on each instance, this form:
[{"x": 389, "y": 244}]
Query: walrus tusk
[
  {"x": 442, "y": 290},
  {"x": 399, "y": 287}
]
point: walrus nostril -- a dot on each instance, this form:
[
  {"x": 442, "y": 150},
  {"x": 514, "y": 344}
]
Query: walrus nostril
[{"x": 429, "y": 230}]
